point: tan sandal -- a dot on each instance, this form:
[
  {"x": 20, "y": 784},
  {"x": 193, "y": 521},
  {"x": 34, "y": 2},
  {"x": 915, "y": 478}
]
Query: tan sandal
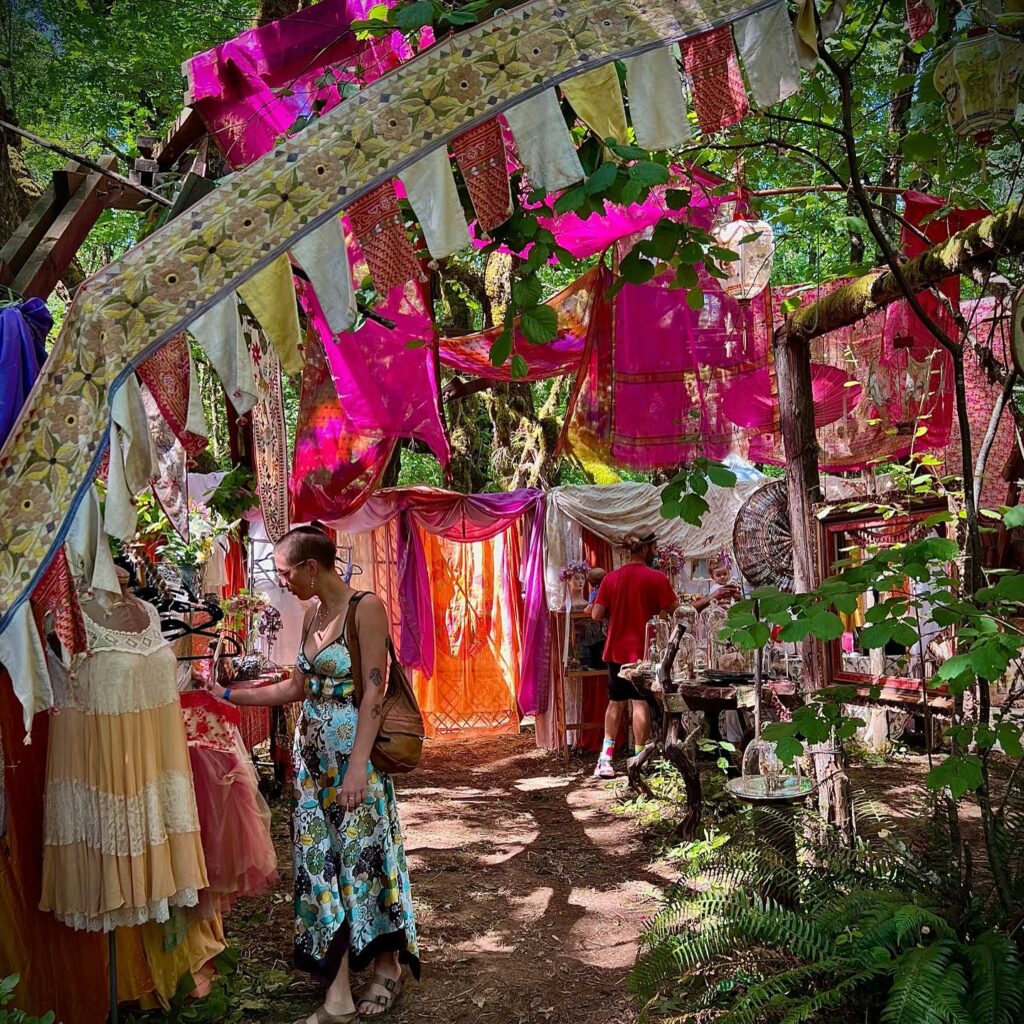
[
  {"x": 393, "y": 989},
  {"x": 321, "y": 1016}
]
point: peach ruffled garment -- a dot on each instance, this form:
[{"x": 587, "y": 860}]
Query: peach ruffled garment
[{"x": 121, "y": 830}]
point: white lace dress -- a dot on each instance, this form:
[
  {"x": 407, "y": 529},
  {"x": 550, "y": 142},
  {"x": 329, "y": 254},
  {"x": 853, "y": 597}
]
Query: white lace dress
[{"x": 121, "y": 830}]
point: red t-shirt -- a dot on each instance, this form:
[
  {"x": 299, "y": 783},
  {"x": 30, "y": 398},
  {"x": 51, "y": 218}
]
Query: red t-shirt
[{"x": 631, "y": 596}]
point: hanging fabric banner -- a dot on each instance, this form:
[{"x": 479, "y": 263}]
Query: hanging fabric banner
[
  {"x": 270, "y": 295},
  {"x": 377, "y": 224},
  {"x": 361, "y": 361},
  {"x": 480, "y": 154},
  {"x": 471, "y": 352},
  {"x": 170, "y": 376},
  {"x": 170, "y": 476},
  {"x": 269, "y": 433},
  {"x": 430, "y": 188},
  {"x": 544, "y": 144},
  {"x": 336, "y": 469},
  {"x": 920, "y": 18},
  {"x": 219, "y": 333},
  {"x": 657, "y": 105},
  {"x": 766, "y": 44},
  {"x": 718, "y": 94},
  {"x": 322, "y": 255},
  {"x": 596, "y": 96}
]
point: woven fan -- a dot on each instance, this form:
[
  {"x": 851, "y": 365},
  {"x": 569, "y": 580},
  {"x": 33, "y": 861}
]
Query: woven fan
[{"x": 762, "y": 539}]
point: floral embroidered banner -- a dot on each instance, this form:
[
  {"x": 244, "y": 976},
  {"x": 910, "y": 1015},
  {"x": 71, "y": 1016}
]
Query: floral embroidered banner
[{"x": 124, "y": 313}]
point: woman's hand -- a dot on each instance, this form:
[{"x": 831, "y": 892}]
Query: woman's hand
[{"x": 353, "y": 787}]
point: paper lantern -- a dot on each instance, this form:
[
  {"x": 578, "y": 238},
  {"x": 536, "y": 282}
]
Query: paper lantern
[
  {"x": 754, "y": 242},
  {"x": 978, "y": 81}
]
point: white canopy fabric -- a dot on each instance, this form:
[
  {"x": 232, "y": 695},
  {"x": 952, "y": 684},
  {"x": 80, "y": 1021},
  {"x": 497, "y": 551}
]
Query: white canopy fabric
[{"x": 612, "y": 512}]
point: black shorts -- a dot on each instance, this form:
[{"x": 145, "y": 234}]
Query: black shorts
[{"x": 619, "y": 688}]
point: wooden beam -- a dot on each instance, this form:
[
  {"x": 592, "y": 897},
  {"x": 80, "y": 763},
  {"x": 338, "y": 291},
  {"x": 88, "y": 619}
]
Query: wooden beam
[
  {"x": 186, "y": 131},
  {"x": 30, "y": 232},
  {"x": 60, "y": 243}
]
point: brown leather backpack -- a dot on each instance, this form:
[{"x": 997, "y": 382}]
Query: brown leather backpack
[{"x": 399, "y": 743}]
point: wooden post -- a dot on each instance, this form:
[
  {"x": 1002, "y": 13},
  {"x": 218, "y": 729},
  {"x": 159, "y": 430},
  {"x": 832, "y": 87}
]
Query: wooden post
[{"x": 800, "y": 444}]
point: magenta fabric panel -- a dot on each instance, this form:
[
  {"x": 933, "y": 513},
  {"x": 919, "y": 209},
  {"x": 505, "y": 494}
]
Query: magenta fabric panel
[
  {"x": 467, "y": 518},
  {"x": 471, "y": 352},
  {"x": 250, "y": 90},
  {"x": 386, "y": 388}
]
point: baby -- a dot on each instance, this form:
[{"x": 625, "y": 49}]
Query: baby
[{"x": 594, "y": 578}]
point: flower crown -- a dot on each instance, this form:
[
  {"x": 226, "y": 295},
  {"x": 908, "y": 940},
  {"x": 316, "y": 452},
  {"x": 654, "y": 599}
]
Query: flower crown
[{"x": 575, "y": 568}]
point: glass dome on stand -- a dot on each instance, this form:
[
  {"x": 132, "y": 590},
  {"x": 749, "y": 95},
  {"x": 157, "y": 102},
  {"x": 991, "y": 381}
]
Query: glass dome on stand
[{"x": 685, "y": 666}]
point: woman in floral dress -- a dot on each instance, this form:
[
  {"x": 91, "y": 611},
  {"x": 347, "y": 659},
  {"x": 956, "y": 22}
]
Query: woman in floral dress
[{"x": 352, "y": 901}]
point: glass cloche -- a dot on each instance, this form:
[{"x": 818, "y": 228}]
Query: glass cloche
[{"x": 767, "y": 777}]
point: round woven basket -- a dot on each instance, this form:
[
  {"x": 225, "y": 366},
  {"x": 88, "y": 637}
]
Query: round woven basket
[{"x": 762, "y": 539}]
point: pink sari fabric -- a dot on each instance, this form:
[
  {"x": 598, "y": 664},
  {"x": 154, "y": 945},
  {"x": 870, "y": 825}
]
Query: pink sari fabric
[
  {"x": 900, "y": 389},
  {"x": 250, "y": 90},
  {"x": 650, "y": 392},
  {"x": 387, "y": 389},
  {"x": 335, "y": 468},
  {"x": 989, "y": 327},
  {"x": 469, "y": 518},
  {"x": 573, "y": 306}
]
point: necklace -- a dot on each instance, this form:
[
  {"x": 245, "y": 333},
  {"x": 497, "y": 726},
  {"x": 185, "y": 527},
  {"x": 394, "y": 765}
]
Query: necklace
[{"x": 319, "y": 622}]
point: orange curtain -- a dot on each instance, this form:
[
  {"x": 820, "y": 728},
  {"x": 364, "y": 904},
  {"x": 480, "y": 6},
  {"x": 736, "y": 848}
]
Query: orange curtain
[{"x": 474, "y": 591}]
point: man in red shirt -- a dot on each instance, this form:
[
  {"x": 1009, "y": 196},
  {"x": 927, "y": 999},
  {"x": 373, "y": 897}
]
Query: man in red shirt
[{"x": 628, "y": 598}]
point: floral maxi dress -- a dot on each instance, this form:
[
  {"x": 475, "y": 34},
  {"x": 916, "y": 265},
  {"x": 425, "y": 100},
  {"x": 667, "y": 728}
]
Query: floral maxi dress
[{"x": 351, "y": 877}]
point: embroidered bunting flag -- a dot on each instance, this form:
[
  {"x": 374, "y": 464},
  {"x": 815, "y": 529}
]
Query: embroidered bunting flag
[
  {"x": 718, "y": 94},
  {"x": 377, "y": 223},
  {"x": 480, "y": 154},
  {"x": 920, "y": 18},
  {"x": 430, "y": 189},
  {"x": 56, "y": 593},
  {"x": 168, "y": 375}
]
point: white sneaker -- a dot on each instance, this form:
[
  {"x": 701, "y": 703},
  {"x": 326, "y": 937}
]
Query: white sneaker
[{"x": 604, "y": 769}]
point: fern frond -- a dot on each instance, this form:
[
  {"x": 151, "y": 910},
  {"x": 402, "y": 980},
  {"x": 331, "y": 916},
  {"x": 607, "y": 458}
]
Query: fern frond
[
  {"x": 918, "y": 972},
  {"x": 997, "y": 979},
  {"x": 839, "y": 995}
]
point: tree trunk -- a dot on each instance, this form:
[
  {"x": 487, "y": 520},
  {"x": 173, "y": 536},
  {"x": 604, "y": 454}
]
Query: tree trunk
[
  {"x": 996, "y": 236},
  {"x": 18, "y": 190},
  {"x": 910, "y": 60},
  {"x": 796, "y": 407}
]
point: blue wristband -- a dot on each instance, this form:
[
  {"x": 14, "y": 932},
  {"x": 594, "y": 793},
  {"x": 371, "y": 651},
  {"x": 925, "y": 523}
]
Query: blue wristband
[{"x": 226, "y": 695}]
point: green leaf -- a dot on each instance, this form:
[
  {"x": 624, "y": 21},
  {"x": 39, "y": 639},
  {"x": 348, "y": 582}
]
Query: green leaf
[
  {"x": 628, "y": 152},
  {"x": 1011, "y": 588},
  {"x": 571, "y": 199},
  {"x": 845, "y": 603},
  {"x": 415, "y": 343},
  {"x": 539, "y": 324},
  {"x": 1008, "y": 736},
  {"x": 459, "y": 18},
  {"x": 648, "y": 173},
  {"x": 527, "y": 291},
  {"x": 677, "y": 198},
  {"x": 692, "y": 508},
  {"x": 795, "y": 631},
  {"x": 695, "y": 299},
  {"x": 602, "y": 179},
  {"x": 960, "y": 774},
  {"x": 1014, "y": 517},
  {"x": 501, "y": 349},
  {"x": 921, "y": 146},
  {"x": 905, "y": 634},
  {"x": 790, "y": 304},
  {"x": 877, "y": 635},
  {"x": 826, "y": 626},
  {"x": 416, "y": 15},
  {"x": 788, "y": 748},
  {"x": 519, "y": 368},
  {"x": 721, "y": 476},
  {"x": 662, "y": 243}
]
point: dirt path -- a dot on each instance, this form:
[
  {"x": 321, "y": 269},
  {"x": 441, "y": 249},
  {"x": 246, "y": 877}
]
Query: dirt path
[{"x": 530, "y": 893}]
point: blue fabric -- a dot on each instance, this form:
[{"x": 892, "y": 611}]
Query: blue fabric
[{"x": 23, "y": 330}]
